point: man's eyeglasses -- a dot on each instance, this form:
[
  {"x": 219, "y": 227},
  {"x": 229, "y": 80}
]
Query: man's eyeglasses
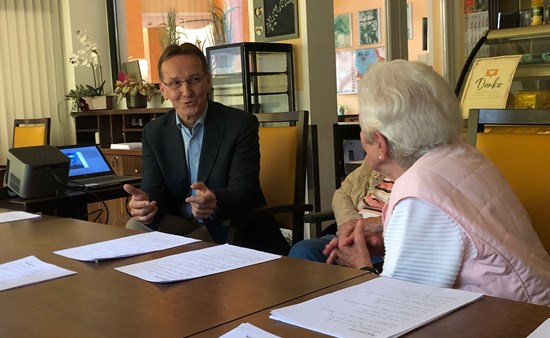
[{"x": 192, "y": 81}]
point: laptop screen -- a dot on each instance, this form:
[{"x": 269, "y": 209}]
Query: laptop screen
[{"x": 86, "y": 161}]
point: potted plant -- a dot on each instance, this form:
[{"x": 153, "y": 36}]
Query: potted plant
[
  {"x": 137, "y": 92},
  {"x": 80, "y": 97},
  {"x": 88, "y": 97},
  {"x": 170, "y": 34},
  {"x": 221, "y": 23}
]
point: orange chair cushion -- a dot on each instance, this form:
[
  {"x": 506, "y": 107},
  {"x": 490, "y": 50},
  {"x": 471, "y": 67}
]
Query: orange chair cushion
[
  {"x": 26, "y": 136},
  {"x": 524, "y": 160},
  {"x": 278, "y": 150}
]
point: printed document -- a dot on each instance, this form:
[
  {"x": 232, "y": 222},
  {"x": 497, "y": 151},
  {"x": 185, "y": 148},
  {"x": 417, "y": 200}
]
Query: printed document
[
  {"x": 249, "y": 331},
  {"x": 382, "y": 307},
  {"x": 197, "y": 263},
  {"x": 126, "y": 246},
  {"x": 543, "y": 331},
  {"x": 12, "y": 216},
  {"x": 28, "y": 270}
]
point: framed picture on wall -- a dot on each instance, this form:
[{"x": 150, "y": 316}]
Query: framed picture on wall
[
  {"x": 366, "y": 57},
  {"x": 342, "y": 30},
  {"x": 346, "y": 76},
  {"x": 275, "y": 19},
  {"x": 369, "y": 26}
]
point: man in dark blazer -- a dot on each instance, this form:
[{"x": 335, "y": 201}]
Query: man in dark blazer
[{"x": 201, "y": 161}]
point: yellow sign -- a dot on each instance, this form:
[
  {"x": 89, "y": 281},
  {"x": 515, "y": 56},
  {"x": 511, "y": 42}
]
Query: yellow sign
[{"x": 488, "y": 83}]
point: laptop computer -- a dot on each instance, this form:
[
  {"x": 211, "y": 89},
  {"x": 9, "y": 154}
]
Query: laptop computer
[{"x": 89, "y": 168}]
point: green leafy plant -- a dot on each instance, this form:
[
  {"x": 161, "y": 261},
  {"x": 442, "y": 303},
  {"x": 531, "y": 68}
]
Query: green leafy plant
[
  {"x": 77, "y": 96},
  {"x": 221, "y": 23},
  {"x": 170, "y": 35},
  {"x": 128, "y": 85}
]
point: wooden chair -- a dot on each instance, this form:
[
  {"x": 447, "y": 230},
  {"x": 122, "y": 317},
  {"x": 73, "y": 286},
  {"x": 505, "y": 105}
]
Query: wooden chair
[
  {"x": 518, "y": 143},
  {"x": 283, "y": 149},
  {"x": 31, "y": 132},
  {"x": 27, "y": 133}
]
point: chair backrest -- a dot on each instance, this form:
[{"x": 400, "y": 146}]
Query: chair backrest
[
  {"x": 283, "y": 150},
  {"x": 31, "y": 132},
  {"x": 519, "y": 145}
]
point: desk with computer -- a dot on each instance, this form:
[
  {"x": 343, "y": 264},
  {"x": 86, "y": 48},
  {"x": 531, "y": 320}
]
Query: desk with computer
[{"x": 60, "y": 181}]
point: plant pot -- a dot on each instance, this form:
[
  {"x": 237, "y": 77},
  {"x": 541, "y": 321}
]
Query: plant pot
[
  {"x": 99, "y": 102},
  {"x": 136, "y": 101}
]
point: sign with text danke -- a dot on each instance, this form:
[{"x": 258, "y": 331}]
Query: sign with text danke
[{"x": 488, "y": 83}]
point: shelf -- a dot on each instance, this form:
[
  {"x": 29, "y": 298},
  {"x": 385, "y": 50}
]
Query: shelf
[
  {"x": 270, "y": 93},
  {"x": 531, "y": 83},
  {"x": 244, "y": 74},
  {"x": 533, "y": 71},
  {"x": 136, "y": 111},
  {"x": 519, "y": 33},
  {"x": 113, "y": 126}
]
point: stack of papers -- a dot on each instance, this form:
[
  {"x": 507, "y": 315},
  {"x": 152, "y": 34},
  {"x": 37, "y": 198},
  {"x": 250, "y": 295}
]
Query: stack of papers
[
  {"x": 28, "y": 270},
  {"x": 542, "y": 331},
  {"x": 249, "y": 331},
  {"x": 382, "y": 307},
  {"x": 197, "y": 263},
  {"x": 126, "y": 145},
  {"x": 126, "y": 246},
  {"x": 12, "y": 216}
]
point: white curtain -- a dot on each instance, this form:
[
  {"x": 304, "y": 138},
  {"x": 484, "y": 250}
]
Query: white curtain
[{"x": 32, "y": 68}]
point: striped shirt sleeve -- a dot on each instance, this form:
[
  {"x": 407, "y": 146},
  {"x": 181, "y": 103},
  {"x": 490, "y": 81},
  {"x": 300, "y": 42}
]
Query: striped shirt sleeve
[{"x": 423, "y": 244}]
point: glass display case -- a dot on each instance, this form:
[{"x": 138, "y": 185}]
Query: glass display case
[
  {"x": 530, "y": 88},
  {"x": 257, "y": 77}
]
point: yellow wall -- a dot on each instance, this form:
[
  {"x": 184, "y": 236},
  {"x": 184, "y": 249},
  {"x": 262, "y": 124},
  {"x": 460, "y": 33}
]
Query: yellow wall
[
  {"x": 133, "y": 27},
  {"x": 419, "y": 9}
]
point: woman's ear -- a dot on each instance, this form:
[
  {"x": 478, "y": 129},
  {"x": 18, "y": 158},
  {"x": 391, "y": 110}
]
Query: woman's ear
[{"x": 383, "y": 146}]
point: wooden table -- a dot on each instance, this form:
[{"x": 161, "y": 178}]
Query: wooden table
[
  {"x": 489, "y": 317},
  {"x": 71, "y": 204},
  {"x": 101, "y": 302}
]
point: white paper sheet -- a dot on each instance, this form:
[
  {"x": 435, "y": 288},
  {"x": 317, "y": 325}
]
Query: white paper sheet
[
  {"x": 543, "y": 331},
  {"x": 382, "y": 307},
  {"x": 12, "y": 216},
  {"x": 196, "y": 263},
  {"x": 126, "y": 246},
  {"x": 249, "y": 331},
  {"x": 28, "y": 270}
]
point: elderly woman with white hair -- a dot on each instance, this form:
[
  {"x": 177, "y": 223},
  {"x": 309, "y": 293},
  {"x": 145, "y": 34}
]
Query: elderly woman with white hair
[{"x": 452, "y": 220}]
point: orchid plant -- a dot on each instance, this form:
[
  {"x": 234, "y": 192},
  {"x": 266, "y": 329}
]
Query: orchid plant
[{"x": 89, "y": 57}]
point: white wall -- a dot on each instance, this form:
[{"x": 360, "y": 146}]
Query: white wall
[{"x": 91, "y": 16}]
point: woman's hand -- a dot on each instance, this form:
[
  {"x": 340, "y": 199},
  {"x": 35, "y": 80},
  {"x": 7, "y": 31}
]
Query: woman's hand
[{"x": 355, "y": 255}]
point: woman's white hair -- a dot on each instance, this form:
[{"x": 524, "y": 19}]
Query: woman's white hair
[{"x": 411, "y": 105}]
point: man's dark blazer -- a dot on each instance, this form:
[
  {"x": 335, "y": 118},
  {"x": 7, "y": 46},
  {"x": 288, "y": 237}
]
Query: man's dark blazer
[{"x": 229, "y": 165}]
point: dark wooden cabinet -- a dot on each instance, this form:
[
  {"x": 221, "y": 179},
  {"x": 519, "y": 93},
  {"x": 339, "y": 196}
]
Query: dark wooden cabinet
[
  {"x": 124, "y": 162},
  {"x": 104, "y": 127}
]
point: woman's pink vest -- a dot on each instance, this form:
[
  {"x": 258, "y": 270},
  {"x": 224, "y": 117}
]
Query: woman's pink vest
[{"x": 511, "y": 261}]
